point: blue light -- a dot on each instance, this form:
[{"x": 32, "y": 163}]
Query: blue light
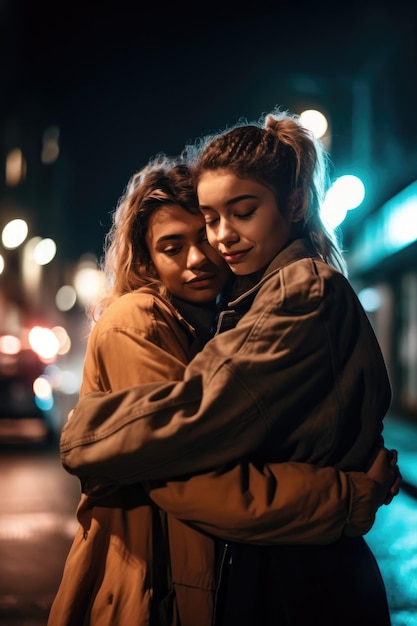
[
  {"x": 389, "y": 230},
  {"x": 44, "y": 404}
]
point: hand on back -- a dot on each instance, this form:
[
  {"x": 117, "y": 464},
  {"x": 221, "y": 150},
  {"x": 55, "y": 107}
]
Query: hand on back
[{"x": 385, "y": 472}]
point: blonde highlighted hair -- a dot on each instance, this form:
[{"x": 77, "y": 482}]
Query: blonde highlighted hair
[{"x": 126, "y": 261}]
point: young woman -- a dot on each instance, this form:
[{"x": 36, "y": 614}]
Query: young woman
[{"x": 300, "y": 378}]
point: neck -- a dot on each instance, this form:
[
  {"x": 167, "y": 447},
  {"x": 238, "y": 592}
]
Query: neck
[{"x": 200, "y": 316}]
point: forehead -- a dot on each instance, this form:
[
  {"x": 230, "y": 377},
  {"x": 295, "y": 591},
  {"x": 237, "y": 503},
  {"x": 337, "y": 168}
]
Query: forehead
[
  {"x": 174, "y": 221},
  {"x": 222, "y": 186}
]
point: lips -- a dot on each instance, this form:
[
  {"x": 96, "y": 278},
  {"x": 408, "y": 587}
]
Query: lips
[
  {"x": 234, "y": 257},
  {"x": 201, "y": 282}
]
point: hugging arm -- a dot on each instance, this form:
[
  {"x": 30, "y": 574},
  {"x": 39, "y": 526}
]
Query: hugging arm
[
  {"x": 274, "y": 503},
  {"x": 217, "y": 414},
  {"x": 278, "y": 502},
  {"x": 249, "y": 386}
]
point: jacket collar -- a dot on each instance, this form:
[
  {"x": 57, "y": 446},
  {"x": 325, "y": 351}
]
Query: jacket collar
[{"x": 294, "y": 251}]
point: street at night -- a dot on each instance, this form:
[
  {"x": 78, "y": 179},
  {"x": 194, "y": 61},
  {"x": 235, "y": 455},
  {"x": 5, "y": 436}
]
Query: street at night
[
  {"x": 89, "y": 96},
  {"x": 37, "y": 523}
]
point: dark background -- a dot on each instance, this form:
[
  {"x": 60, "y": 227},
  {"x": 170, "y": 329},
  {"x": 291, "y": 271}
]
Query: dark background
[{"x": 126, "y": 80}]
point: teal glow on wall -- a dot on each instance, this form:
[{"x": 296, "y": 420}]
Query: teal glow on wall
[{"x": 389, "y": 230}]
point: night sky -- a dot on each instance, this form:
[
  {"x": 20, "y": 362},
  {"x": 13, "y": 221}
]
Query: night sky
[{"x": 126, "y": 80}]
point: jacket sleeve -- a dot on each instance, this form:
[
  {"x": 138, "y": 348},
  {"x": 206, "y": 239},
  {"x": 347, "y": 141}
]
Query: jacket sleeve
[
  {"x": 163, "y": 430},
  {"x": 242, "y": 502},
  {"x": 136, "y": 344},
  {"x": 277, "y": 503},
  {"x": 255, "y": 384}
]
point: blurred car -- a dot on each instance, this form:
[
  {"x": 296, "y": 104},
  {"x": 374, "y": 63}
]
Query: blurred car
[{"x": 23, "y": 417}]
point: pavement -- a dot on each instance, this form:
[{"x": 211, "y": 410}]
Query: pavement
[
  {"x": 28, "y": 534},
  {"x": 393, "y": 538},
  {"x": 401, "y": 434}
]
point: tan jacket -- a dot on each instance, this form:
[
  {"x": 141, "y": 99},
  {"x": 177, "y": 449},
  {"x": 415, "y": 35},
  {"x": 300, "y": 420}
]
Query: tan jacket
[
  {"x": 114, "y": 569},
  {"x": 301, "y": 375}
]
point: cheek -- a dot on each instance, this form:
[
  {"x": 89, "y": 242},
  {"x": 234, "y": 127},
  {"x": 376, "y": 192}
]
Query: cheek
[
  {"x": 211, "y": 236},
  {"x": 275, "y": 226},
  {"x": 171, "y": 269},
  {"x": 274, "y": 236},
  {"x": 169, "y": 278},
  {"x": 162, "y": 268}
]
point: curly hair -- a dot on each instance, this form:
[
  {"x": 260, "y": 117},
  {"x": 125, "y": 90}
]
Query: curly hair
[
  {"x": 126, "y": 261},
  {"x": 279, "y": 152}
]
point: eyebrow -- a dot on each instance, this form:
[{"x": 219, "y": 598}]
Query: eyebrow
[
  {"x": 178, "y": 236},
  {"x": 234, "y": 200},
  {"x": 169, "y": 238}
]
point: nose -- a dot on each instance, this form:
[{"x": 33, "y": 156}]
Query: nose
[
  {"x": 196, "y": 257},
  {"x": 225, "y": 233}
]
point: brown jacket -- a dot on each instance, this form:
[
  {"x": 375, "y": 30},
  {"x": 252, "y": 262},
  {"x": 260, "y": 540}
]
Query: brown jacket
[
  {"x": 301, "y": 375},
  {"x": 113, "y": 570}
]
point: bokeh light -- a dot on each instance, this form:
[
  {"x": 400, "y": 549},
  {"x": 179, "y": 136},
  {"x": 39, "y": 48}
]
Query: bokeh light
[
  {"x": 346, "y": 193},
  {"x": 63, "y": 339},
  {"x": 314, "y": 121},
  {"x": 44, "y": 342},
  {"x": 65, "y": 298},
  {"x": 14, "y": 233},
  {"x": 44, "y": 251},
  {"x": 9, "y": 344},
  {"x": 89, "y": 283}
]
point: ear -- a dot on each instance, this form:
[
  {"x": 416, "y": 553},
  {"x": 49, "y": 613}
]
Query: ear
[{"x": 296, "y": 205}]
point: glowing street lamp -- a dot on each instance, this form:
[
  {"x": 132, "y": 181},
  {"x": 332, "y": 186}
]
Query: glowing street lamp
[{"x": 346, "y": 193}]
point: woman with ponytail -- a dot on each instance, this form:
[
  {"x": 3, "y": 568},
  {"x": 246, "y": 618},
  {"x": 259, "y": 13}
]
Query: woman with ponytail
[{"x": 294, "y": 374}]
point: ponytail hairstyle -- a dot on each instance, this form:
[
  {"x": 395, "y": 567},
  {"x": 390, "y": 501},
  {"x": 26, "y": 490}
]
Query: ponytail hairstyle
[
  {"x": 126, "y": 262},
  {"x": 279, "y": 152}
]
